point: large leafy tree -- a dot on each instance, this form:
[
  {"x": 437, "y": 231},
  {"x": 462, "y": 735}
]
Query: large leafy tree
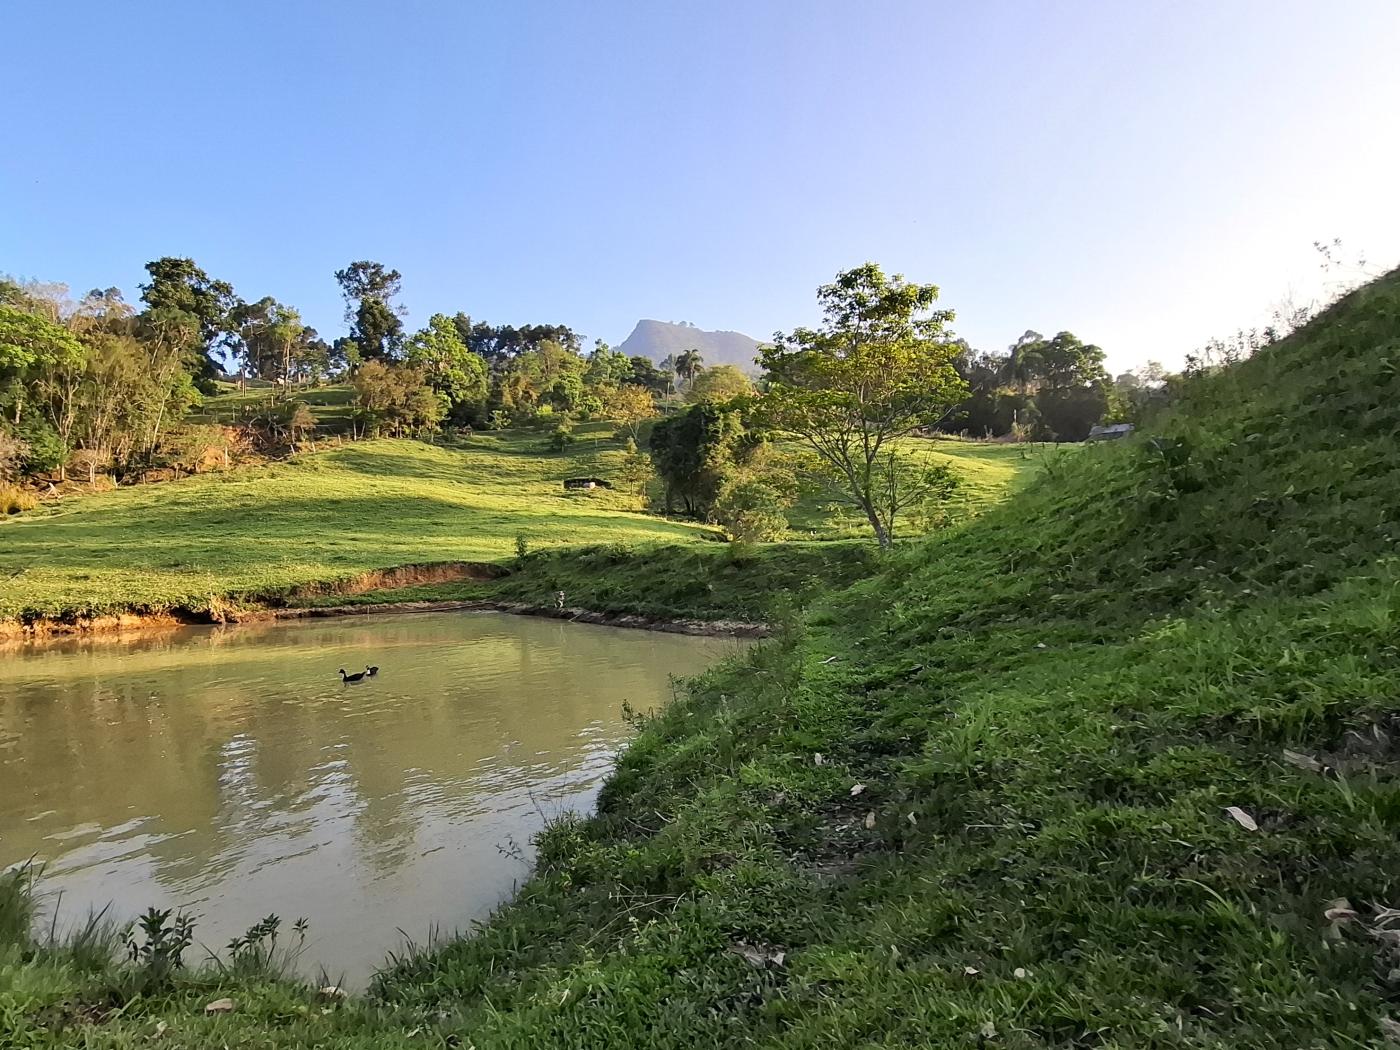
[
  {"x": 630, "y": 406},
  {"x": 645, "y": 373},
  {"x": 721, "y": 383},
  {"x": 694, "y": 452},
  {"x": 450, "y": 366},
  {"x": 880, "y": 365},
  {"x": 1072, "y": 385},
  {"x": 396, "y": 398},
  {"x": 376, "y": 326},
  {"x": 33, "y": 352},
  {"x": 607, "y": 368},
  {"x": 178, "y": 285}
]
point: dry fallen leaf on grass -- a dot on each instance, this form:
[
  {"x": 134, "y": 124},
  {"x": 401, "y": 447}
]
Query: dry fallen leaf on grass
[
  {"x": 856, "y": 789},
  {"x": 829, "y": 659},
  {"x": 1242, "y": 818},
  {"x": 870, "y": 819},
  {"x": 989, "y": 1031},
  {"x": 220, "y": 1006},
  {"x": 818, "y": 759},
  {"x": 971, "y": 971},
  {"x": 758, "y": 957},
  {"x": 1021, "y": 973},
  {"x": 1302, "y": 761},
  {"x": 1391, "y": 1029}
]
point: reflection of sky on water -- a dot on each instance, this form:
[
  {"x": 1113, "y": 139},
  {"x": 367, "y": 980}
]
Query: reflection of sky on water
[{"x": 228, "y": 772}]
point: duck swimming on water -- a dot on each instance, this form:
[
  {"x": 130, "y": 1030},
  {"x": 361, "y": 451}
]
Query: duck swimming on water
[
  {"x": 370, "y": 672},
  {"x": 348, "y": 679}
]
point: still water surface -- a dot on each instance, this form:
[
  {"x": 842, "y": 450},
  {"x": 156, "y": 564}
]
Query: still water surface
[{"x": 228, "y": 772}]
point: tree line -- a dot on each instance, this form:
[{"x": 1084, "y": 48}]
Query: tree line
[{"x": 99, "y": 385}]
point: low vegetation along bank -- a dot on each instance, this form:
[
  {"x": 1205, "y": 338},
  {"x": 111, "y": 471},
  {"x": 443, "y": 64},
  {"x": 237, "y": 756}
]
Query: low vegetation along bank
[{"x": 1116, "y": 764}]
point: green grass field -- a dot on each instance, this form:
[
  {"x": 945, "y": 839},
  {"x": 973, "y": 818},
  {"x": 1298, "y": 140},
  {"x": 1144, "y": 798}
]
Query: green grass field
[
  {"x": 330, "y": 405},
  {"x": 340, "y": 511},
  {"x": 321, "y": 516}
]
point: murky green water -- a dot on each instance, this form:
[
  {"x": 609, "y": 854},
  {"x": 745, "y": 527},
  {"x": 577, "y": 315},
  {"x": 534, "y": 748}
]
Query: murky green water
[{"x": 228, "y": 772}]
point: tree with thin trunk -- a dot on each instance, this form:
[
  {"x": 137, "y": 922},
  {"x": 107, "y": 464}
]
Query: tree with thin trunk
[
  {"x": 880, "y": 365},
  {"x": 689, "y": 365}
]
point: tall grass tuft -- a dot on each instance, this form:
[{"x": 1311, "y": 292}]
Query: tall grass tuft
[{"x": 17, "y": 906}]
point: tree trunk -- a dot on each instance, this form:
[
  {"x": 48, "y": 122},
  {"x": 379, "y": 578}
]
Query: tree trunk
[{"x": 881, "y": 535}]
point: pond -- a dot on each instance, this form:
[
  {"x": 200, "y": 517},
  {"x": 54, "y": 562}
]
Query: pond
[{"x": 227, "y": 772}]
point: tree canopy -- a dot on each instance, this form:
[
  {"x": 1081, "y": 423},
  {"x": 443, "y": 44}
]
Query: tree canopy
[
  {"x": 375, "y": 322},
  {"x": 880, "y": 365}
]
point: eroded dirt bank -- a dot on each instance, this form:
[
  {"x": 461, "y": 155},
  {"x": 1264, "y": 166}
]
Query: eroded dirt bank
[{"x": 404, "y": 576}]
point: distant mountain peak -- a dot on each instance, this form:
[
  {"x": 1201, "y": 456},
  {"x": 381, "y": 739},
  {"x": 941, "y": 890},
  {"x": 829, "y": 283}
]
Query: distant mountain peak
[{"x": 658, "y": 340}]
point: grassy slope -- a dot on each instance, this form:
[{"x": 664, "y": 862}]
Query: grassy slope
[
  {"x": 323, "y": 516},
  {"x": 763, "y": 583},
  {"x": 334, "y": 513},
  {"x": 330, "y": 405},
  {"x": 1048, "y": 711}
]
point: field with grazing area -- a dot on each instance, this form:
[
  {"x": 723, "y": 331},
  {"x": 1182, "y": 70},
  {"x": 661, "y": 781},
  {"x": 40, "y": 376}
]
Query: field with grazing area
[
  {"x": 320, "y": 516},
  {"x": 331, "y": 406},
  {"x": 327, "y": 515}
]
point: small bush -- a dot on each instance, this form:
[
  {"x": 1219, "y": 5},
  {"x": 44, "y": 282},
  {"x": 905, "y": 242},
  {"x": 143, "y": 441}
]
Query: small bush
[
  {"x": 752, "y": 511},
  {"x": 160, "y": 950},
  {"x": 14, "y": 499},
  {"x": 562, "y": 436}
]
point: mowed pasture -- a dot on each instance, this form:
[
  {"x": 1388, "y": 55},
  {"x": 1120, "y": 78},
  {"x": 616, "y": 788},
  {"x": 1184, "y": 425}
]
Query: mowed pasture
[
  {"x": 321, "y": 516},
  {"x": 331, "y": 514}
]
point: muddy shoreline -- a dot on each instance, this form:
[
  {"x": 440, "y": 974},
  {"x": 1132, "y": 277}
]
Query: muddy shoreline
[{"x": 39, "y": 630}]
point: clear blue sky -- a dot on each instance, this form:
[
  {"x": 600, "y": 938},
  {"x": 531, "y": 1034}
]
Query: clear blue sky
[{"x": 1144, "y": 174}]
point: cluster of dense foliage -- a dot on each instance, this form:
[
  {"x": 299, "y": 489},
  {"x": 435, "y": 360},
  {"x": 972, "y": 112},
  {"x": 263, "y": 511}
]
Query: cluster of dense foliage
[{"x": 98, "y": 385}]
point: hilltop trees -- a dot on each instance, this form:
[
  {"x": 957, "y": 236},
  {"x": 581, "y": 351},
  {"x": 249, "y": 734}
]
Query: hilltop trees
[
  {"x": 1047, "y": 389},
  {"x": 276, "y": 345},
  {"x": 91, "y": 381},
  {"x": 451, "y": 368},
  {"x": 880, "y": 365},
  {"x": 376, "y": 328},
  {"x": 178, "y": 287}
]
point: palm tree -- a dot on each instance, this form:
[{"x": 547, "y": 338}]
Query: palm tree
[{"x": 689, "y": 364}]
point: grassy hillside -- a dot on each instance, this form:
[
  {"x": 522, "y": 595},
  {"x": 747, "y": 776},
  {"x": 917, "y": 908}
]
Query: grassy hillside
[
  {"x": 321, "y": 516},
  {"x": 331, "y": 406},
  {"x": 1115, "y": 765},
  {"x": 983, "y": 799},
  {"x": 341, "y": 511}
]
